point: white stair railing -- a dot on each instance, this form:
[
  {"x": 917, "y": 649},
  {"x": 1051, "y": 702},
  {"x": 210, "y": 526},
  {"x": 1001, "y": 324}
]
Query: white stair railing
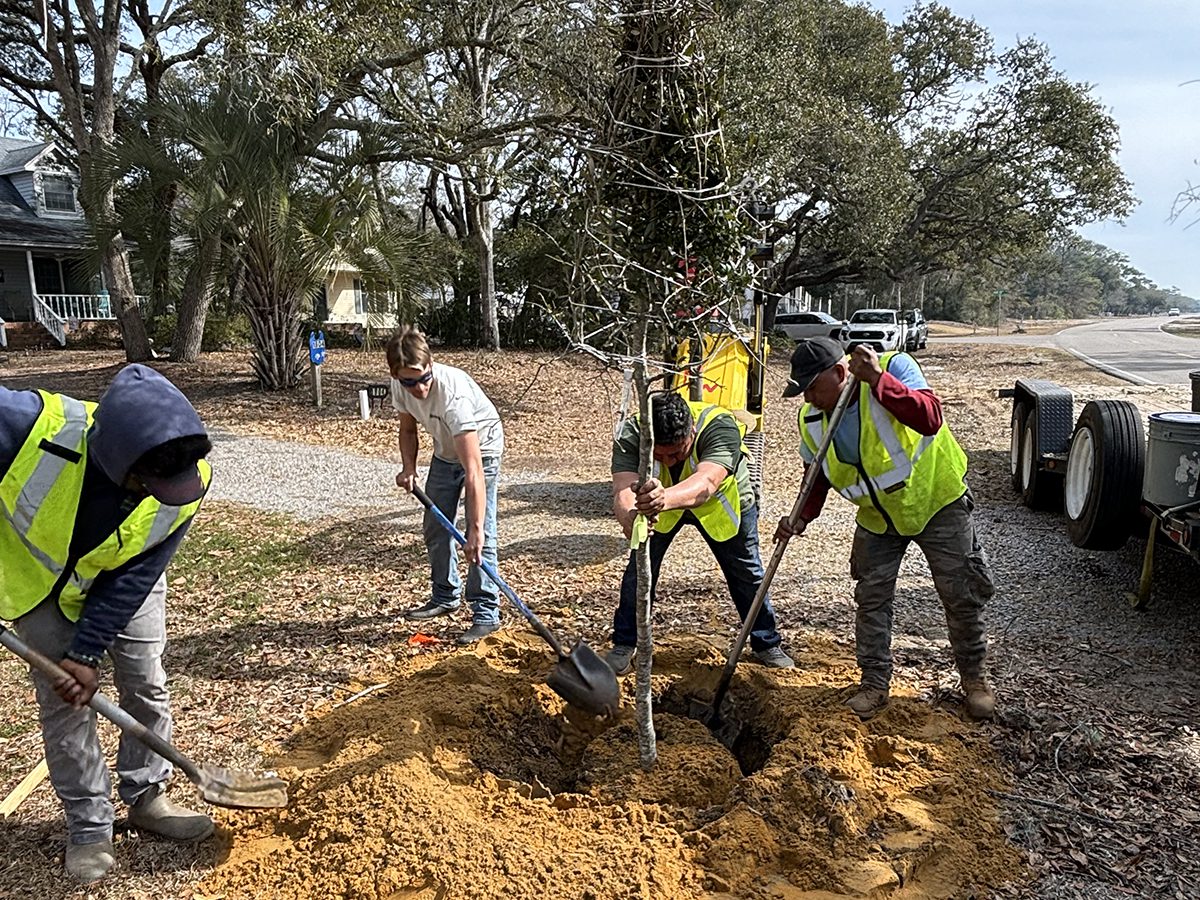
[
  {"x": 85, "y": 307},
  {"x": 79, "y": 306},
  {"x": 50, "y": 320}
]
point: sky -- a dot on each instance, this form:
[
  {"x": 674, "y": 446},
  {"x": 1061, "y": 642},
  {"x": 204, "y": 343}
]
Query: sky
[{"x": 1137, "y": 54}]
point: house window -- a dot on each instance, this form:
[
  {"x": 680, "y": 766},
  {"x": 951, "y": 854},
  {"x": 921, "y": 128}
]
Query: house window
[
  {"x": 58, "y": 194},
  {"x": 360, "y": 298}
]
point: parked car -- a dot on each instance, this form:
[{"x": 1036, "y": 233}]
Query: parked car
[
  {"x": 1173, "y": 311},
  {"x": 802, "y": 325},
  {"x": 881, "y": 329},
  {"x": 916, "y": 330}
]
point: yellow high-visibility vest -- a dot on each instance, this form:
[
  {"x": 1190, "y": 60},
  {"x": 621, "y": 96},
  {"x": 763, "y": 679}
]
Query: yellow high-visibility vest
[
  {"x": 903, "y": 478},
  {"x": 721, "y": 514},
  {"x": 39, "y": 500}
]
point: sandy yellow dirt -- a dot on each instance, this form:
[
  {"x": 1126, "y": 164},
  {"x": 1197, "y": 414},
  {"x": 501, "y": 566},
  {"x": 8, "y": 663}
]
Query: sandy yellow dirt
[{"x": 464, "y": 779}]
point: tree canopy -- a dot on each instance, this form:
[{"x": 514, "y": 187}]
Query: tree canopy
[{"x": 919, "y": 153}]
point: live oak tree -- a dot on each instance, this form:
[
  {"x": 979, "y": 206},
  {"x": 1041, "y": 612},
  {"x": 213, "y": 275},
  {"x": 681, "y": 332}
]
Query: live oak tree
[
  {"x": 909, "y": 150},
  {"x": 60, "y": 60},
  {"x": 474, "y": 112}
]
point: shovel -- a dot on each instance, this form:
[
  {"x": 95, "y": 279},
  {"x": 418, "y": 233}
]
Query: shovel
[
  {"x": 711, "y": 716},
  {"x": 580, "y": 677},
  {"x": 221, "y": 787}
]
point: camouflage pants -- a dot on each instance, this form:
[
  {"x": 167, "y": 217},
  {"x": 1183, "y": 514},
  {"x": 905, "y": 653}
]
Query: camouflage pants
[{"x": 960, "y": 573}]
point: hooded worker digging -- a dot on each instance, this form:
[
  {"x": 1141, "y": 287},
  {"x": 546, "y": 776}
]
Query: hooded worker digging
[
  {"x": 894, "y": 458},
  {"x": 94, "y": 501}
]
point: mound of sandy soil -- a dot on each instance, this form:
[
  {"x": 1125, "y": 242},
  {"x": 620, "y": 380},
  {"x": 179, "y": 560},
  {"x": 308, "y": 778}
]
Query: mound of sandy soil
[{"x": 466, "y": 778}]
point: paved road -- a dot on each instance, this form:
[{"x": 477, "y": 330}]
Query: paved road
[{"x": 1134, "y": 349}]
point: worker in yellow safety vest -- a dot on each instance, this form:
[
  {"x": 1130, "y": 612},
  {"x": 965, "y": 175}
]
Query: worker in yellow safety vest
[
  {"x": 894, "y": 458},
  {"x": 94, "y": 501},
  {"x": 703, "y": 481}
]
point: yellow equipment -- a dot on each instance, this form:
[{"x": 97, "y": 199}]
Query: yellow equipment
[{"x": 727, "y": 369}]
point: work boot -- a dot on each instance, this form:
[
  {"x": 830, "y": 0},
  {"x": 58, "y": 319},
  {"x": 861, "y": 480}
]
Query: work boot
[
  {"x": 868, "y": 701},
  {"x": 475, "y": 633},
  {"x": 620, "y": 658},
  {"x": 981, "y": 699},
  {"x": 153, "y": 812},
  {"x": 774, "y": 658},
  {"x": 89, "y": 862},
  {"x": 431, "y": 610}
]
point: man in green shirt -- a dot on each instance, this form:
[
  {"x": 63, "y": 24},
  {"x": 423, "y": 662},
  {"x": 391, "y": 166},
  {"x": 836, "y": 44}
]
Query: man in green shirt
[{"x": 703, "y": 481}]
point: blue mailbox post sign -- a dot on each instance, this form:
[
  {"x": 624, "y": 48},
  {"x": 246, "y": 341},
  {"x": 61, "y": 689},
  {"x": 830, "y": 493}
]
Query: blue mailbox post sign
[
  {"x": 316, "y": 356},
  {"x": 316, "y": 347}
]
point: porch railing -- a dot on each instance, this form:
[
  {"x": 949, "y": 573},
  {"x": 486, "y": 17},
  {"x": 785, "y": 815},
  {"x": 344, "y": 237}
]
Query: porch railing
[
  {"x": 50, "y": 320},
  {"x": 85, "y": 307}
]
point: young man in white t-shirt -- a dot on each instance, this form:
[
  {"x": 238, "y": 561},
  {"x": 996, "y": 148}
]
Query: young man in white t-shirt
[{"x": 468, "y": 441}]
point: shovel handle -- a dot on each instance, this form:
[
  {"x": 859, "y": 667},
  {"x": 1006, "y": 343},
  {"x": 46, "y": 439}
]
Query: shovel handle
[
  {"x": 102, "y": 705},
  {"x": 545, "y": 633},
  {"x": 806, "y": 487}
]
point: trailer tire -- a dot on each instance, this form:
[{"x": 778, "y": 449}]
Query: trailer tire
[
  {"x": 1039, "y": 489},
  {"x": 1103, "y": 490},
  {"x": 1020, "y": 411}
]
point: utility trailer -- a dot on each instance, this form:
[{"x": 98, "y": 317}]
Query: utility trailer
[{"x": 1101, "y": 471}]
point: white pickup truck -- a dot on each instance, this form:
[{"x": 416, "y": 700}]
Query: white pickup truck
[{"x": 881, "y": 329}]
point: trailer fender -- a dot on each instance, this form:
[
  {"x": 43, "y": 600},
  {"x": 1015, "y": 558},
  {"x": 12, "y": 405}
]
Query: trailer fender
[{"x": 1042, "y": 418}]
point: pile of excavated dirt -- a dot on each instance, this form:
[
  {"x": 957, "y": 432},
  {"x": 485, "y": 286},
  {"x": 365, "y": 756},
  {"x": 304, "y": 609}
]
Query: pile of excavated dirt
[{"x": 466, "y": 778}]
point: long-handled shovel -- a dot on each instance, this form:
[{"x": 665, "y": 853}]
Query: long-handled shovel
[
  {"x": 223, "y": 787},
  {"x": 580, "y": 677},
  {"x": 712, "y": 716}
]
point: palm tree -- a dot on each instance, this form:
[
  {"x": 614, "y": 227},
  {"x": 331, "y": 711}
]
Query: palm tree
[{"x": 250, "y": 198}]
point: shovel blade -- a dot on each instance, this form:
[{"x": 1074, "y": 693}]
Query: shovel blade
[
  {"x": 723, "y": 722},
  {"x": 241, "y": 790},
  {"x": 583, "y": 679}
]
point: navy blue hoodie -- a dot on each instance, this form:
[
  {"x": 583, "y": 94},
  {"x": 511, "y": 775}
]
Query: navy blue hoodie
[{"x": 140, "y": 410}]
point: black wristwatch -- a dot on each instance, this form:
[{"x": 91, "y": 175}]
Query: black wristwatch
[{"x": 83, "y": 659}]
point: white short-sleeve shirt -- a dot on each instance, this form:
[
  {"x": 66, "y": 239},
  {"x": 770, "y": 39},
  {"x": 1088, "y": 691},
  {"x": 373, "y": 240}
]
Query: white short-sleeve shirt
[{"x": 455, "y": 405}]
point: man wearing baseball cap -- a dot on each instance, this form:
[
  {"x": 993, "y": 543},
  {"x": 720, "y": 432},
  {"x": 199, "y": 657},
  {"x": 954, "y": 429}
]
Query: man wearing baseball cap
[
  {"x": 94, "y": 501},
  {"x": 895, "y": 459}
]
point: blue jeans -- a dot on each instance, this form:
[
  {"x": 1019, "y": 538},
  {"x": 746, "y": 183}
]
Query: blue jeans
[
  {"x": 739, "y": 562},
  {"x": 444, "y": 487}
]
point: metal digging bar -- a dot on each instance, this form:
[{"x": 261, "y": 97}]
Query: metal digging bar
[
  {"x": 711, "y": 715},
  {"x": 222, "y": 787},
  {"x": 580, "y": 677}
]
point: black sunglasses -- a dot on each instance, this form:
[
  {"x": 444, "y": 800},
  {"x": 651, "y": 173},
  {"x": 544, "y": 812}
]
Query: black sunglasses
[{"x": 414, "y": 382}]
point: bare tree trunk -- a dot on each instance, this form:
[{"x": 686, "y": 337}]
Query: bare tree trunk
[
  {"x": 487, "y": 276},
  {"x": 647, "y": 743},
  {"x": 124, "y": 302},
  {"x": 479, "y": 213},
  {"x": 192, "y": 312}
]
